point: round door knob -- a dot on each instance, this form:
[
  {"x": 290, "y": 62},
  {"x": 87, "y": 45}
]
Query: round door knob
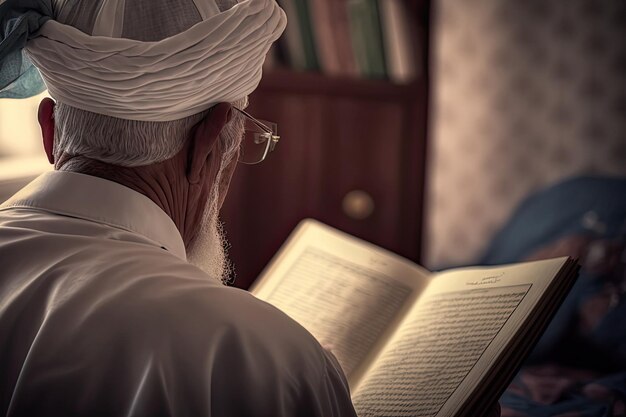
[{"x": 358, "y": 205}]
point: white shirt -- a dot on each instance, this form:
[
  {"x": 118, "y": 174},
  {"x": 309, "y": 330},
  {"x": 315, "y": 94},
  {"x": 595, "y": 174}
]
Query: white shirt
[{"x": 101, "y": 315}]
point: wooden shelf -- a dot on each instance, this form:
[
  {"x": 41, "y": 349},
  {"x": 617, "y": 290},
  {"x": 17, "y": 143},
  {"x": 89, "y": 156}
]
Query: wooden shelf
[
  {"x": 341, "y": 134},
  {"x": 281, "y": 80}
]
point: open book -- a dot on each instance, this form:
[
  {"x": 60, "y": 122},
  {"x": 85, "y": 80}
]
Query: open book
[{"x": 411, "y": 342}]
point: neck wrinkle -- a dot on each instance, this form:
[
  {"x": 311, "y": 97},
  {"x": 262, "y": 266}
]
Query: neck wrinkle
[{"x": 157, "y": 188}]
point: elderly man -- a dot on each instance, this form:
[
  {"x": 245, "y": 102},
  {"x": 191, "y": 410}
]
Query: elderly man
[
  {"x": 111, "y": 300},
  {"x": 110, "y": 294}
]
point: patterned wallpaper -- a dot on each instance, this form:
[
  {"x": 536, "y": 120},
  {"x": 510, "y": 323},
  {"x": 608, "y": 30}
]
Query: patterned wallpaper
[{"x": 525, "y": 93}]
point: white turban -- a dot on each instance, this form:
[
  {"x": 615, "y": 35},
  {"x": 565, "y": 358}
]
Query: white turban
[{"x": 217, "y": 60}]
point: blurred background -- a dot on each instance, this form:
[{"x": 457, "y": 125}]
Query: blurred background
[{"x": 451, "y": 132}]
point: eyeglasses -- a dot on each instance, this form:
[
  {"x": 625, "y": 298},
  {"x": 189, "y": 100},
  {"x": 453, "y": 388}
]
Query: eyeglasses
[{"x": 259, "y": 139}]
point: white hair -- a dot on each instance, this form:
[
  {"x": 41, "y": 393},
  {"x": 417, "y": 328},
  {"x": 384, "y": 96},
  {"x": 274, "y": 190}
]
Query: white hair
[
  {"x": 118, "y": 141},
  {"x": 122, "y": 142},
  {"x": 209, "y": 249}
]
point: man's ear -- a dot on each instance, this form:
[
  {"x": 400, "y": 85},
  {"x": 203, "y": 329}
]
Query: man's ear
[
  {"x": 204, "y": 138},
  {"x": 45, "y": 116}
]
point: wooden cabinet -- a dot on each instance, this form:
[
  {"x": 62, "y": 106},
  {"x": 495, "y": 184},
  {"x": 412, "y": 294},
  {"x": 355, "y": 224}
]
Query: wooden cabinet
[{"x": 351, "y": 154}]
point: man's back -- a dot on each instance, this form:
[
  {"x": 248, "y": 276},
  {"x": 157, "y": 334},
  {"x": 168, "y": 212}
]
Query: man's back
[{"x": 100, "y": 314}]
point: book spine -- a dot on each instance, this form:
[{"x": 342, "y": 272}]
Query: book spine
[
  {"x": 374, "y": 41},
  {"x": 306, "y": 33},
  {"x": 357, "y": 30},
  {"x": 292, "y": 39},
  {"x": 398, "y": 32},
  {"x": 367, "y": 38},
  {"x": 340, "y": 23},
  {"x": 327, "y": 52}
]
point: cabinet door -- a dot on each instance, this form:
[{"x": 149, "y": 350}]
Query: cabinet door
[
  {"x": 362, "y": 163},
  {"x": 341, "y": 160}
]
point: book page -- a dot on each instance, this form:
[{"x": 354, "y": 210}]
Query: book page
[
  {"x": 454, "y": 332},
  {"x": 347, "y": 293}
]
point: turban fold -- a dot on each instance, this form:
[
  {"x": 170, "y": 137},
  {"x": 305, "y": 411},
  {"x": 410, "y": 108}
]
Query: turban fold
[{"x": 219, "y": 59}]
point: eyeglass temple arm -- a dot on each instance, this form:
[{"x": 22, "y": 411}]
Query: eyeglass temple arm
[{"x": 255, "y": 121}]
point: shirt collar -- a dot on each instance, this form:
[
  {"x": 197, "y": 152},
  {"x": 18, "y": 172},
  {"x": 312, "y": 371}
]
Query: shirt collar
[{"x": 102, "y": 201}]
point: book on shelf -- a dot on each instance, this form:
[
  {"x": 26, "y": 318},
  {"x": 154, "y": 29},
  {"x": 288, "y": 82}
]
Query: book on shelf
[
  {"x": 306, "y": 32},
  {"x": 353, "y": 38},
  {"x": 367, "y": 39},
  {"x": 414, "y": 342},
  {"x": 331, "y": 31},
  {"x": 397, "y": 35},
  {"x": 292, "y": 38}
]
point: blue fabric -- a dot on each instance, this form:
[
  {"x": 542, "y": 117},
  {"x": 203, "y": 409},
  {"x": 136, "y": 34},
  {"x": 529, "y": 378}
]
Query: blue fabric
[
  {"x": 28, "y": 83},
  {"x": 554, "y": 213},
  {"x": 559, "y": 211},
  {"x": 593, "y": 208},
  {"x": 20, "y": 20}
]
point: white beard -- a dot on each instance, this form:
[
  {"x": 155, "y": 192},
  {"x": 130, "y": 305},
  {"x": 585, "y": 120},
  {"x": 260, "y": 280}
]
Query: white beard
[{"x": 208, "y": 251}]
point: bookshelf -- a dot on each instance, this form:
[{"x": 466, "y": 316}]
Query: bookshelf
[{"x": 352, "y": 154}]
